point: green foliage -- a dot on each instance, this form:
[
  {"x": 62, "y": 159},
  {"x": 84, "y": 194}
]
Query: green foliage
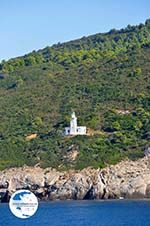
[
  {"x": 95, "y": 76},
  {"x": 86, "y": 50}
]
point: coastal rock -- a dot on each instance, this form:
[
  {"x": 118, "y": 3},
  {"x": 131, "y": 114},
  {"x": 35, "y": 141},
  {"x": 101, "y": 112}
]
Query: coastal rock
[{"x": 126, "y": 179}]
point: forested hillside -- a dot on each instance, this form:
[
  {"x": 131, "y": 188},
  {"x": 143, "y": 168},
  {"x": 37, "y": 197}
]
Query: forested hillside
[{"x": 104, "y": 78}]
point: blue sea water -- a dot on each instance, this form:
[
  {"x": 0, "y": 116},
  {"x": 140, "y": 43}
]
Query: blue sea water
[{"x": 83, "y": 213}]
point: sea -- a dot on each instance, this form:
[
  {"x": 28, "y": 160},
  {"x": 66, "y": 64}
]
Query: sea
[{"x": 83, "y": 213}]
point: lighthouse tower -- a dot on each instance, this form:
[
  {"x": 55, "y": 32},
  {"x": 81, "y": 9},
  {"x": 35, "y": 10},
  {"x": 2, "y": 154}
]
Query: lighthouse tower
[
  {"x": 73, "y": 124},
  {"x": 74, "y": 129}
]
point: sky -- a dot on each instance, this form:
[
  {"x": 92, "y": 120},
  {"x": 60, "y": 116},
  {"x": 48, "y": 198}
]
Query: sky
[{"x": 27, "y": 25}]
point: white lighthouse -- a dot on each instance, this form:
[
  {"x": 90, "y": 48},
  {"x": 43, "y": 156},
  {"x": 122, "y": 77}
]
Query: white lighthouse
[
  {"x": 74, "y": 129},
  {"x": 73, "y": 124}
]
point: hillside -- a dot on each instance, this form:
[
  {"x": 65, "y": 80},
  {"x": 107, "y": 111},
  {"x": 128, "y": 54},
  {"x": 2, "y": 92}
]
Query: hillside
[{"x": 99, "y": 77}]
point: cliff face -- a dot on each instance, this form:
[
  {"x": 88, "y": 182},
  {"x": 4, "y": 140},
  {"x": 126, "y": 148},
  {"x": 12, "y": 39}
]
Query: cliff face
[{"x": 127, "y": 179}]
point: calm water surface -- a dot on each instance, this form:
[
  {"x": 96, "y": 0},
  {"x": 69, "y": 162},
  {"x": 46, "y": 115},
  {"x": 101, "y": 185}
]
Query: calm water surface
[{"x": 83, "y": 213}]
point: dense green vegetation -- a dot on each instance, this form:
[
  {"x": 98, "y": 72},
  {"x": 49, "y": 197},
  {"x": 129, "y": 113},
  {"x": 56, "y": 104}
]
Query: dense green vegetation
[{"x": 96, "y": 76}]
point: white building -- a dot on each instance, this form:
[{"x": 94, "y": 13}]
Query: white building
[{"x": 74, "y": 129}]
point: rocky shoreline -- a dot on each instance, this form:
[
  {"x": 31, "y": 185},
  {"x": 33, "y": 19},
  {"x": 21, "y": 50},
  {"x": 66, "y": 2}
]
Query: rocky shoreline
[{"x": 127, "y": 179}]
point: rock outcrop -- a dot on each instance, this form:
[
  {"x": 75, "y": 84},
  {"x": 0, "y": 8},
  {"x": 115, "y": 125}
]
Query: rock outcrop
[{"x": 127, "y": 179}]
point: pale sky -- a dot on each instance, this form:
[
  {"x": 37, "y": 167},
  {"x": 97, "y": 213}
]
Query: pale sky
[{"x": 28, "y": 25}]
